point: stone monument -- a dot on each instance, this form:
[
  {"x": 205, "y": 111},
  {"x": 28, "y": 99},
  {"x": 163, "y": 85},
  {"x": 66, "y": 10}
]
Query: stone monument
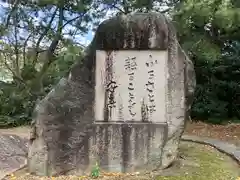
[{"x": 124, "y": 105}]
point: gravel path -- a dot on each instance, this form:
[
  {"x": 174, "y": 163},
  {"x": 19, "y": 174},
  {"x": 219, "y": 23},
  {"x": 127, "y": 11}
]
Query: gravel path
[{"x": 22, "y": 131}]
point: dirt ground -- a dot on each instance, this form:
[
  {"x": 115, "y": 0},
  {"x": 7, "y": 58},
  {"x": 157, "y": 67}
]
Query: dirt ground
[
  {"x": 22, "y": 131},
  {"x": 197, "y": 162},
  {"x": 229, "y": 133}
]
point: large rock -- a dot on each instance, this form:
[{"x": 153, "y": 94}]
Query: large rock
[
  {"x": 13, "y": 153},
  {"x": 75, "y": 125}
]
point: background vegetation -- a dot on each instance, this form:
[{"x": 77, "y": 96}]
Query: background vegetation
[{"x": 41, "y": 40}]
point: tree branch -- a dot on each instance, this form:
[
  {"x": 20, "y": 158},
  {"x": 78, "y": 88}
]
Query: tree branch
[
  {"x": 125, "y": 7},
  {"x": 42, "y": 36},
  {"x": 119, "y": 9},
  {"x": 13, "y": 73},
  {"x": 55, "y": 42},
  {"x": 24, "y": 48},
  {"x": 165, "y": 11},
  {"x": 16, "y": 47},
  {"x": 51, "y": 49},
  {"x": 71, "y": 20},
  {"x": 15, "y": 5}
]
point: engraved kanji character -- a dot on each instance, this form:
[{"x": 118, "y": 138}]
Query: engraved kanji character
[
  {"x": 130, "y": 64},
  {"x": 150, "y": 86},
  {"x": 151, "y": 97},
  {"x": 132, "y": 113},
  {"x": 111, "y": 86},
  {"x": 152, "y": 108}
]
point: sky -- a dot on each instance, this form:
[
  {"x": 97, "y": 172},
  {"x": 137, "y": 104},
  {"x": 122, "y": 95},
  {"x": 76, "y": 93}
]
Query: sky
[{"x": 84, "y": 39}]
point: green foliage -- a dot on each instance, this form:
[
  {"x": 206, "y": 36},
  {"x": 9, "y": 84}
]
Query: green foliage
[
  {"x": 208, "y": 32},
  {"x": 95, "y": 171},
  {"x": 37, "y": 67},
  {"x": 28, "y": 72},
  {"x": 17, "y": 99},
  {"x": 16, "y": 105}
]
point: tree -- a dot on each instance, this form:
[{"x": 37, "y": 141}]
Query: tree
[
  {"x": 208, "y": 31},
  {"x": 60, "y": 22},
  {"x": 129, "y": 6},
  {"x": 39, "y": 44}
]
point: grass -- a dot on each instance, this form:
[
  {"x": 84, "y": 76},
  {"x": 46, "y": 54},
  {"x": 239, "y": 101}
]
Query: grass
[
  {"x": 213, "y": 165},
  {"x": 199, "y": 162}
]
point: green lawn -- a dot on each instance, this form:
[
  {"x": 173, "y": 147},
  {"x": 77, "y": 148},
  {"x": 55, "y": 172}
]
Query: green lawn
[{"x": 212, "y": 165}]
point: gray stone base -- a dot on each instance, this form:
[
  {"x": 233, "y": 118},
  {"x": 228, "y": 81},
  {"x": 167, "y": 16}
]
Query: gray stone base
[{"x": 127, "y": 147}]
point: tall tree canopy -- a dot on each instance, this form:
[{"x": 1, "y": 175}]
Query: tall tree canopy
[{"x": 40, "y": 40}]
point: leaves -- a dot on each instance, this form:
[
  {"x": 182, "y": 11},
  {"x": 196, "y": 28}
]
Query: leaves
[
  {"x": 40, "y": 41},
  {"x": 95, "y": 171},
  {"x": 207, "y": 31}
]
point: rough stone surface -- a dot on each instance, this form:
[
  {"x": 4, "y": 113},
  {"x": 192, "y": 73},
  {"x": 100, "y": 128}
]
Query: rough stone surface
[
  {"x": 229, "y": 149},
  {"x": 128, "y": 147},
  {"x": 13, "y": 153},
  {"x": 63, "y": 124}
]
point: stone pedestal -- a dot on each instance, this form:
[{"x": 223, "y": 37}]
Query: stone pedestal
[{"x": 128, "y": 147}]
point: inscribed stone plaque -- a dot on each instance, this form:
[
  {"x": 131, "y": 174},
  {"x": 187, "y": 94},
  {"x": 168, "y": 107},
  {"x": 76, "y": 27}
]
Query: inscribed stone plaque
[
  {"x": 66, "y": 137},
  {"x": 130, "y": 85}
]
